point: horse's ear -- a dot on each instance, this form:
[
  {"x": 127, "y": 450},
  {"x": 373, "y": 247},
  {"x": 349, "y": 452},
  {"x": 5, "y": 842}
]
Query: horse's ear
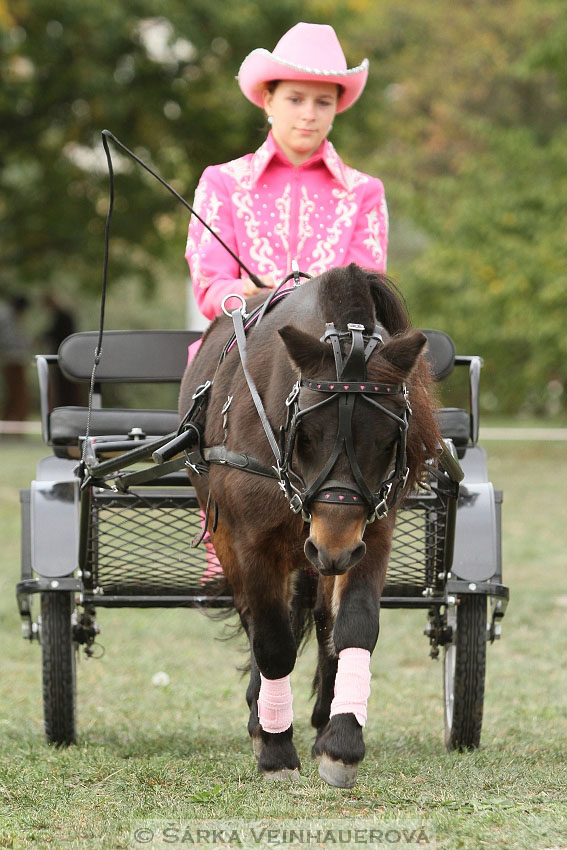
[
  {"x": 307, "y": 352},
  {"x": 402, "y": 351}
]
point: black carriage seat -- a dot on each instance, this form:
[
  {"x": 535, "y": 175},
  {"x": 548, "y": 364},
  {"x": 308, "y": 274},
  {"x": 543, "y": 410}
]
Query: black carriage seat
[
  {"x": 149, "y": 357},
  {"x": 160, "y": 357},
  {"x": 454, "y": 422}
]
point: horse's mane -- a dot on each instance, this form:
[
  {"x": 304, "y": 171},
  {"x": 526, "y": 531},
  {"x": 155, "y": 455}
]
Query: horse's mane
[{"x": 352, "y": 294}]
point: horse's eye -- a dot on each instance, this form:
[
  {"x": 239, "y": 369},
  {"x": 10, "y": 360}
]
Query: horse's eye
[{"x": 386, "y": 447}]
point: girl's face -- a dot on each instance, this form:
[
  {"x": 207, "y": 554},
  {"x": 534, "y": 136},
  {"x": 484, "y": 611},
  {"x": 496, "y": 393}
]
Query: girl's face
[{"x": 302, "y": 113}]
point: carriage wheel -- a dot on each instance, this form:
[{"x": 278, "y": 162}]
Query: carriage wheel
[
  {"x": 58, "y": 668},
  {"x": 464, "y": 667}
]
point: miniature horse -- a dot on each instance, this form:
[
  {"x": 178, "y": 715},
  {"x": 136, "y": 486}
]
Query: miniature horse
[{"x": 265, "y": 548}]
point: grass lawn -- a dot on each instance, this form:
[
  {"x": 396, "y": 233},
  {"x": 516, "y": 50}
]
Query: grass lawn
[{"x": 181, "y": 752}]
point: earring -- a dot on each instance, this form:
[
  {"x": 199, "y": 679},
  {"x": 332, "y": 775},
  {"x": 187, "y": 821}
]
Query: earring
[
  {"x": 270, "y": 120},
  {"x": 330, "y": 128}
]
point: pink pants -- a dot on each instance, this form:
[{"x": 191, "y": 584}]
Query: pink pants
[
  {"x": 192, "y": 350},
  {"x": 213, "y": 568}
]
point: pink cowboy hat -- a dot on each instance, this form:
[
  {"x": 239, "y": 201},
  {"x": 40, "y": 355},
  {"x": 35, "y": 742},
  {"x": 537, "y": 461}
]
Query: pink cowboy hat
[{"x": 316, "y": 44}]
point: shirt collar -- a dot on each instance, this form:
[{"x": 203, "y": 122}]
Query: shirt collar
[{"x": 326, "y": 153}]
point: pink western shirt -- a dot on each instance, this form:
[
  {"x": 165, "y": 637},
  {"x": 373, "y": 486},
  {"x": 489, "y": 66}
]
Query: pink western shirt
[{"x": 322, "y": 214}]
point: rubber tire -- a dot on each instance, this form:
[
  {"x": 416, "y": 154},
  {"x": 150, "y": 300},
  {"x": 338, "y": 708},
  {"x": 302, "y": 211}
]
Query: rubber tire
[
  {"x": 59, "y": 674},
  {"x": 464, "y": 669}
]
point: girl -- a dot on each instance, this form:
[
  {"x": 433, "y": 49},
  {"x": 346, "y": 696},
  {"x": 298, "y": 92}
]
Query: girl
[{"x": 293, "y": 198}]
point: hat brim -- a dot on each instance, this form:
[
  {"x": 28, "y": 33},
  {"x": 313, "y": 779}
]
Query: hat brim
[{"x": 260, "y": 67}]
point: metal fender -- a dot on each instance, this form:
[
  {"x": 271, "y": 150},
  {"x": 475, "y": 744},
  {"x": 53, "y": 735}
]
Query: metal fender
[
  {"x": 477, "y": 534},
  {"x": 54, "y": 519}
]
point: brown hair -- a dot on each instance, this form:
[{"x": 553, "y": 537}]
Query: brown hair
[{"x": 272, "y": 85}]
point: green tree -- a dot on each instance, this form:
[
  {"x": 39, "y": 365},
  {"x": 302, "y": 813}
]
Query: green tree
[
  {"x": 463, "y": 119},
  {"x": 160, "y": 76},
  {"x": 468, "y": 122}
]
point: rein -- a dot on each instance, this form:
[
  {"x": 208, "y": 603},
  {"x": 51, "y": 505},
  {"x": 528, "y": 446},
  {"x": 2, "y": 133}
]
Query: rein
[{"x": 106, "y": 135}]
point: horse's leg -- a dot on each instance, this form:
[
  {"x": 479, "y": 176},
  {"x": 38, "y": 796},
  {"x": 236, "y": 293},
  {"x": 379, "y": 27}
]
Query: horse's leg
[
  {"x": 297, "y": 613},
  {"x": 253, "y": 689},
  {"x": 223, "y": 546},
  {"x": 324, "y": 681},
  {"x": 273, "y": 654},
  {"x": 339, "y": 744}
]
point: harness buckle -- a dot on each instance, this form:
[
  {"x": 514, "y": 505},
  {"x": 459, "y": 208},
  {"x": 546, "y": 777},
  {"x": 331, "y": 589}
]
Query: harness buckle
[
  {"x": 405, "y": 392},
  {"x": 379, "y": 512},
  {"x": 227, "y": 404},
  {"x": 381, "y": 509},
  {"x": 295, "y": 503},
  {"x": 295, "y": 390},
  {"x": 190, "y": 465},
  {"x": 296, "y": 273},
  {"x": 353, "y": 326},
  {"x": 201, "y": 390}
]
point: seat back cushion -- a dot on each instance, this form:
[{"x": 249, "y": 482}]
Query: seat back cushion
[
  {"x": 440, "y": 353},
  {"x": 127, "y": 356}
]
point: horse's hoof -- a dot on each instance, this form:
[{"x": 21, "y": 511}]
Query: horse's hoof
[
  {"x": 287, "y": 774},
  {"x": 337, "y": 773}
]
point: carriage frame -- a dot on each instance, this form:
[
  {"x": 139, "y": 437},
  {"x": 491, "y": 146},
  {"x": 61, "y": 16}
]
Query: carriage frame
[{"x": 114, "y": 530}]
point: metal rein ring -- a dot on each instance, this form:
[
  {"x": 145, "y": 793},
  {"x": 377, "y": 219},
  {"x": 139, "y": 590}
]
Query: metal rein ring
[{"x": 228, "y": 312}]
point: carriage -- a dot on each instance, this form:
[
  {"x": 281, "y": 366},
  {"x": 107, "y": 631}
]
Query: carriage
[{"x": 104, "y": 526}]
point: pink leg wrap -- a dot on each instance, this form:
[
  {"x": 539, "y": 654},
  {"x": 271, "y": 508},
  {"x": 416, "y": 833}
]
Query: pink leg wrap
[
  {"x": 274, "y": 704},
  {"x": 352, "y": 684}
]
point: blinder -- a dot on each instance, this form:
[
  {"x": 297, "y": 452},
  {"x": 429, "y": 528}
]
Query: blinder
[{"x": 351, "y": 382}]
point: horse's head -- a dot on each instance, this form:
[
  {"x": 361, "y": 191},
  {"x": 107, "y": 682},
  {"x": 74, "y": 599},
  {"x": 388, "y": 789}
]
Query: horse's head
[{"x": 348, "y": 431}]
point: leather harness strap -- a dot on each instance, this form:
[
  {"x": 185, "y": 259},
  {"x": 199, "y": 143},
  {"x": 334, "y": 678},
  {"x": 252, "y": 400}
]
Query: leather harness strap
[
  {"x": 238, "y": 460},
  {"x": 241, "y": 343},
  {"x": 351, "y": 382}
]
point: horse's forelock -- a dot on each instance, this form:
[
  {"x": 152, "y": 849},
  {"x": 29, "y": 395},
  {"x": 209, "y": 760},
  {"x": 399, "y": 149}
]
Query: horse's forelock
[
  {"x": 352, "y": 294},
  {"x": 345, "y": 297}
]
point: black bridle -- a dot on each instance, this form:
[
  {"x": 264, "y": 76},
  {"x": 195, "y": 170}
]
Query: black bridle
[{"x": 351, "y": 383}]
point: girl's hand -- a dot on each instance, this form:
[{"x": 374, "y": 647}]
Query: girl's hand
[{"x": 249, "y": 288}]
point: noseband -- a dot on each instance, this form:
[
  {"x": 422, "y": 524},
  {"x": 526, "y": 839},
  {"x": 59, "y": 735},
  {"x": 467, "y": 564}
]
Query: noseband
[{"x": 351, "y": 383}]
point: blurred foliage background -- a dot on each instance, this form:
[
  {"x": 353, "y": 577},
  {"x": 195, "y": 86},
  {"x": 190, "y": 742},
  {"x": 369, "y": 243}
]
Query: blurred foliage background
[{"x": 463, "y": 119}]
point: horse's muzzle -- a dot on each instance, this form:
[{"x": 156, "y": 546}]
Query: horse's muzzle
[{"x": 333, "y": 563}]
